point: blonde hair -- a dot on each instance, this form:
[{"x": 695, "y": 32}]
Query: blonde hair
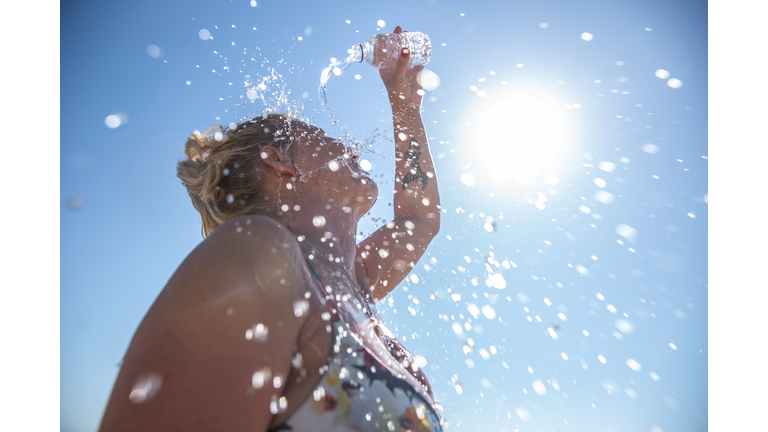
[{"x": 222, "y": 171}]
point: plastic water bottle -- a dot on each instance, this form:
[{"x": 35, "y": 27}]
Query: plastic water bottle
[{"x": 381, "y": 51}]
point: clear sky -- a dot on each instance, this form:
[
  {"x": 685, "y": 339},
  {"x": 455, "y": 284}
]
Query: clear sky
[{"x": 600, "y": 323}]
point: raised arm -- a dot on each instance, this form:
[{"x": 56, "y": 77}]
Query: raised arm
[{"x": 392, "y": 251}]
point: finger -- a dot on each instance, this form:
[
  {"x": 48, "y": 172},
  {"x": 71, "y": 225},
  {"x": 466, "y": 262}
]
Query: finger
[{"x": 402, "y": 63}]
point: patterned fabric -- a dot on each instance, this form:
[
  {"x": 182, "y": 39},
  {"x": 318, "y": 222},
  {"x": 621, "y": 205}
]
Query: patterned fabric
[{"x": 358, "y": 394}]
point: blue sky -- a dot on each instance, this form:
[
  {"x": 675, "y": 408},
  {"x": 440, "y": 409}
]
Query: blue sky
[{"x": 637, "y": 301}]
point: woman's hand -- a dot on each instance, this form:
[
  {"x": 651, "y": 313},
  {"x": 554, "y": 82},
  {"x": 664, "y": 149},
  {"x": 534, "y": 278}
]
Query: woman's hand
[{"x": 403, "y": 88}]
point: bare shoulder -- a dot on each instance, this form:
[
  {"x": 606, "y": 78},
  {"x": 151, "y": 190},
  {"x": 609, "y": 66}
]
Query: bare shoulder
[{"x": 227, "y": 313}]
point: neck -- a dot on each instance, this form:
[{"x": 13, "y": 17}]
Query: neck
[{"x": 326, "y": 234}]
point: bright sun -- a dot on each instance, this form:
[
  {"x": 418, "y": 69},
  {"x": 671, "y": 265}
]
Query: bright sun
[{"x": 519, "y": 137}]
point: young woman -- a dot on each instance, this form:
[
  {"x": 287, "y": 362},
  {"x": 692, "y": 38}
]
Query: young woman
[{"x": 270, "y": 324}]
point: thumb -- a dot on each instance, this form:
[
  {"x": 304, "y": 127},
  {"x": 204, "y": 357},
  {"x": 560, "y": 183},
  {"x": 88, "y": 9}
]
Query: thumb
[{"x": 402, "y": 63}]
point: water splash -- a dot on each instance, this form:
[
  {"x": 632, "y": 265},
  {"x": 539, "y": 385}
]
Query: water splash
[{"x": 336, "y": 67}]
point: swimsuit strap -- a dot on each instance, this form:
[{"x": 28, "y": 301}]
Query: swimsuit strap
[
  {"x": 312, "y": 270},
  {"x": 325, "y": 298}
]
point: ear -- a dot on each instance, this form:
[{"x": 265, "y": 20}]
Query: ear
[{"x": 277, "y": 160}]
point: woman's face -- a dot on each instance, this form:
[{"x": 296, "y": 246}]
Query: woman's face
[{"x": 328, "y": 167}]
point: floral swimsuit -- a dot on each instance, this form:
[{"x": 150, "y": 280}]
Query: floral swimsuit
[{"x": 357, "y": 393}]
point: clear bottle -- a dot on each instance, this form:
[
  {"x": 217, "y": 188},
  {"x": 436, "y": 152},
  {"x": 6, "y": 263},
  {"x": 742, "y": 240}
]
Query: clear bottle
[{"x": 381, "y": 51}]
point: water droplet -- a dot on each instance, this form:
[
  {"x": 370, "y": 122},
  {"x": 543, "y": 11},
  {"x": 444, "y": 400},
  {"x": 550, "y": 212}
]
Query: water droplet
[
  {"x": 383, "y": 253},
  {"x": 604, "y": 197},
  {"x": 674, "y": 83},
  {"x": 654, "y": 376},
  {"x": 459, "y": 389},
  {"x": 611, "y": 308},
  {"x": 552, "y": 333},
  {"x": 457, "y": 328},
  {"x": 626, "y": 231},
  {"x": 651, "y": 148},
  {"x": 300, "y": 307},
  {"x": 113, "y": 121},
  {"x": 333, "y": 165},
  {"x": 74, "y": 203},
  {"x": 624, "y": 326},
  {"x": 204, "y": 34},
  {"x": 488, "y": 312},
  {"x": 600, "y": 182},
  {"x": 673, "y": 346},
  {"x": 318, "y": 394},
  {"x": 661, "y": 73},
  {"x": 366, "y": 165},
  {"x": 277, "y": 382},
  {"x": 581, "y": 269},
  {"x": 153, "y": 51},
  {"x": 468, "y": 179},
  {"x": 587, "y": 36},
  {"x": 585, "y": 209},
  {"x": 523, "y": 413},
  {"x": 489, "y": 225},
  {"x": 258, "y": 332},
  {"x": 381, "y": 23},
  {"x": 633, "y": 364},
  {"x": 564, "y": 356},
  {"x": 607, "y": 166},
  {"x": 610, "y": 386},
  {"x": 260, "y": 377},
  {"x": 497, "y": 281},
  {"x": 145, "y": 387},
  {"x": 429, "y": 80},
  {"x": 543, "y": 25},
  {"x": 318, "y": 221},
  {"x": 602, "y": 359}
]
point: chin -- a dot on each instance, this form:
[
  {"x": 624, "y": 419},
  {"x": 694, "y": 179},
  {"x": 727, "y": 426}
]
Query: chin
[
  {"x": 372, "y": 191},
  {"x": 367, "y": 195}
]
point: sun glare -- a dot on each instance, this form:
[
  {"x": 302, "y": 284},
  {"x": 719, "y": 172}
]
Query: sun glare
[{"x": 519, "y": 137}]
